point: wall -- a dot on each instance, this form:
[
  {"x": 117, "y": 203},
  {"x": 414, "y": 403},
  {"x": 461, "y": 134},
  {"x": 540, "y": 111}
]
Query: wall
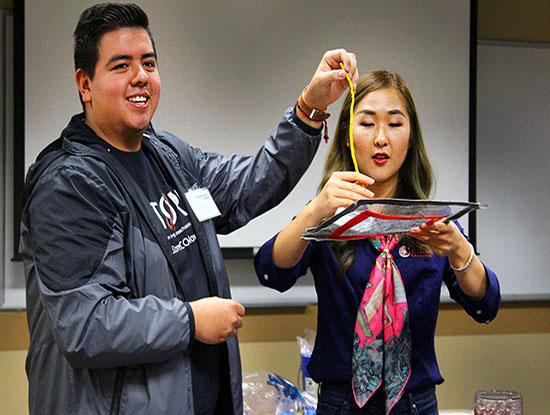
[
  {"x": 510, "y": 353},
  {"x": 512, "y": 138},
  {"x": 441, "y": 93},
  {"x": 211, "y": 56},
  {"x": 514, "y": 20}
]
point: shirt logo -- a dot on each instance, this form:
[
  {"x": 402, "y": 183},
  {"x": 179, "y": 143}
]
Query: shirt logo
[
  {"x": 184, "y": 243},
  {"x": 167, "y": 209}
]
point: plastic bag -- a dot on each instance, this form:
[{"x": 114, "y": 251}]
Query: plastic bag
[
  {"x": 306, "y": 343},
  {"x": 266, "y": 393}
]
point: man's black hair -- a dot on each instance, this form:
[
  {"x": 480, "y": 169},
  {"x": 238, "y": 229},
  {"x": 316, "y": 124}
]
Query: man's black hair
[{"x": 97, "y": 20}]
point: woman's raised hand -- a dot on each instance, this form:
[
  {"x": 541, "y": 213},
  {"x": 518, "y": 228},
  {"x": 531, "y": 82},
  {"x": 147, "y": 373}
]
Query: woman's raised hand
[{"x": 342, "y": 189}]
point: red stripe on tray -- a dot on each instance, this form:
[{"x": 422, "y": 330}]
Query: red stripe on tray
[{"x": 369, "y": 213}]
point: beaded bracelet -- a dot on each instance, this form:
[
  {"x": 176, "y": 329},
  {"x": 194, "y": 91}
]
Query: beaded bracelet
[{"x": 465, "y": 267}]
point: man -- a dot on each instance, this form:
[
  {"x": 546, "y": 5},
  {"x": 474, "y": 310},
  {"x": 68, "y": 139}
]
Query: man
[{"x": 128, "y": 300}]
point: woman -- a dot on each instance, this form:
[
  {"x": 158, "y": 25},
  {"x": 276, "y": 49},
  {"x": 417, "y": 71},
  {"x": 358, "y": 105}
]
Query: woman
[{"x": 392, "y": 163}]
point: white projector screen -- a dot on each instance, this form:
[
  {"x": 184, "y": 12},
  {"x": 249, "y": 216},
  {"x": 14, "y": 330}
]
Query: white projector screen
[
  {"x": 229, "y": 70},
  {"x": 513, "y": 147}
]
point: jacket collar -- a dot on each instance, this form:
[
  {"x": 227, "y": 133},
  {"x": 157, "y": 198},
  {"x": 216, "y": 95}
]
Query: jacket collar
[{"x": 81, "y": 135}]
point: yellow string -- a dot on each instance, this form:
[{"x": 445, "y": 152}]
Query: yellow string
[{"x": 351, "y": 118}]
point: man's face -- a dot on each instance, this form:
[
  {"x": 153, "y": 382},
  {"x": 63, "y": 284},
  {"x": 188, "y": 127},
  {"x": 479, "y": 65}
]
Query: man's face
[{"x": 124, "y": 93}]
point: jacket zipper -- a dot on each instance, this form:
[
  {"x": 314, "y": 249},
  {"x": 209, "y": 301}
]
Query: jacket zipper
[{"x": 117, "y": 392}]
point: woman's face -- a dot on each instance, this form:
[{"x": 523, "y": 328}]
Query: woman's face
[{"x": 381, "y": 130}]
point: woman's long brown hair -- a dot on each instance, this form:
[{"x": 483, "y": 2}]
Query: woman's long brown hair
[{"x": 415, "y": 179}]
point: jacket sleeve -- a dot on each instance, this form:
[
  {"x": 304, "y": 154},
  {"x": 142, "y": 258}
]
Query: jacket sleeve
[
  {"x": 244, "y": 187},
  {"x": 483, "y": 310},
  {"x": 280, "y": 279},
  {"x": 76, "y": 243}
]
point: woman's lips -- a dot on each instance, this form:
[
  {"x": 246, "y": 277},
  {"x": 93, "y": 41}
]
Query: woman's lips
[{"x": 380, "y": 159}]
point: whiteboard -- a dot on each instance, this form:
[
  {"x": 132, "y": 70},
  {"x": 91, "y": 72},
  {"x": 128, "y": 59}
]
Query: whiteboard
[
  {"x": 230, "y": 69},
  {"x": 513, "y": 166}
]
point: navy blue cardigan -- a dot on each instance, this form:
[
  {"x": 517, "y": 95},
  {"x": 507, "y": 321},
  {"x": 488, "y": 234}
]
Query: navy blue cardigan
[{"x": 338, "y": 303}]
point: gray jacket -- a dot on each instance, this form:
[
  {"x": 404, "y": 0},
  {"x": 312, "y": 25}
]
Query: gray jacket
[{"x": 110, "y": 323}]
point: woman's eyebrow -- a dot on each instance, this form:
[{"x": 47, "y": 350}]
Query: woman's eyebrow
[
  {"x": 368, "y": 112},
  {"x": 396, "y": 111},
  {"x": 391, "y": 112}
]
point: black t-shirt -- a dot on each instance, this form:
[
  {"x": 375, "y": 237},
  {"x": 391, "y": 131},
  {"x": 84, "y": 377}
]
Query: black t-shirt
[{"x": 168, "y": 207}]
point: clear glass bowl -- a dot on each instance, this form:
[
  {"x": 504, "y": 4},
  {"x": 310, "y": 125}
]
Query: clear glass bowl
[{"x": 498, "y": 402}]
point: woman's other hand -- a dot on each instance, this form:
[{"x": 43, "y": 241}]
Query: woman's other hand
[{"x": 445, "y": 239}]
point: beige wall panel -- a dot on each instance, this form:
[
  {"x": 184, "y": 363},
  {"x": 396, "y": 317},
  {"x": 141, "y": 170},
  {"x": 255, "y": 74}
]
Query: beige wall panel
[
  {"x": 518, "y": 362},
  {"x": 514, "y": 20},
  {"x": 282, "y": 358},
  {"x": 13, "y": 383}
]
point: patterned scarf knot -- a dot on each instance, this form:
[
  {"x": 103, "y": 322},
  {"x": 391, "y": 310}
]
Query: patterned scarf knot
[{"x": 382, "y": 339}]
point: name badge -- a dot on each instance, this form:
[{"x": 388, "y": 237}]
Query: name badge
[{"x": 202, "y": 204}]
